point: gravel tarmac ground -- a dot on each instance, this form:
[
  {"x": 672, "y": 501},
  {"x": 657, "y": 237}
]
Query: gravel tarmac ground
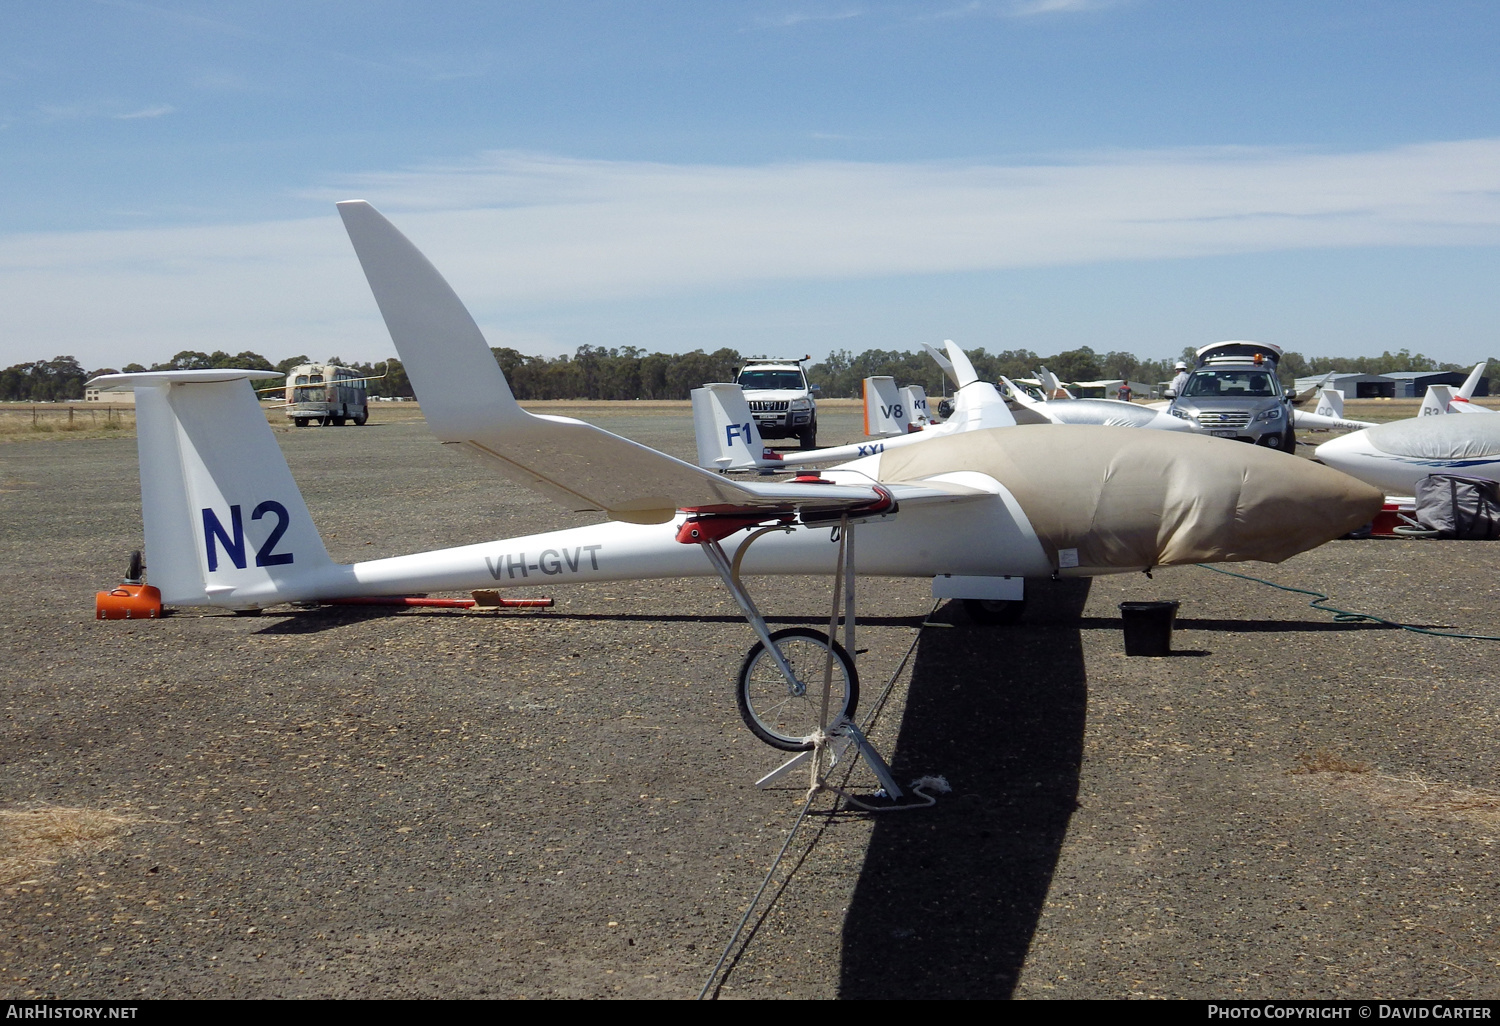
[{"x": 359, "y": 803}]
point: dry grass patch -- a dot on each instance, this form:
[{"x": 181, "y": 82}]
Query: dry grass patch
[
  {"x": 33, "y": 839},
  {"x": 1435, "y": 798},
  {"x": 1413, "y": 795},
  {"x": 1324, "y": 761}
]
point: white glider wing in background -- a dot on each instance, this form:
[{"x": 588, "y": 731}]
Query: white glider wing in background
[{"x": 1103, "y": 412}]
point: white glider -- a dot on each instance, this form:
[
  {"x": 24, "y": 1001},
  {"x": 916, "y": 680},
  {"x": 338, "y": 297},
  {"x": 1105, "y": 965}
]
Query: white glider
[
  {"x": 1394, "y": 457},
  {"x": 977, "y": 511}
]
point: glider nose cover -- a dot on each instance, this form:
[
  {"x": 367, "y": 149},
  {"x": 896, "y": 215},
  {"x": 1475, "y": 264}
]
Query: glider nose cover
[{"x": 1130, "y": 499}]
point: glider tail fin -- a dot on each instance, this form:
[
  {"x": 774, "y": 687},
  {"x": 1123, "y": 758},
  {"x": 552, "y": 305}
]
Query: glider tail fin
[
  {"x": 225, "y": 523},
  {"x": 886, "y": 413},
  {"x": 1053, "y": 387},
  {"x": 1330, "y": 403},
  {"x": 915, "y": 398},
  {"x": 727, "y": 436},
  {"x": 1436, "y": 401}
]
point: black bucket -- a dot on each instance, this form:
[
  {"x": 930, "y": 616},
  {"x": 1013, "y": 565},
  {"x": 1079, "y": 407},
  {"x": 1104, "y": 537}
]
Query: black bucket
[{"x": 1148, "y": 627}]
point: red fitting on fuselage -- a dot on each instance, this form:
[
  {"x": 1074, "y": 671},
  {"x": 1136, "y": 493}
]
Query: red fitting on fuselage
[{"x": 696, "y": 530}]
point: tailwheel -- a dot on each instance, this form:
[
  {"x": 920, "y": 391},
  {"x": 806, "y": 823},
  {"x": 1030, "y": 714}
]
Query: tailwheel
[{"x": 786, "y": 715}]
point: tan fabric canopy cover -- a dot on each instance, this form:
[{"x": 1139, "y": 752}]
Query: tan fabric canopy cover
[{"x": 1125, "y": 498}]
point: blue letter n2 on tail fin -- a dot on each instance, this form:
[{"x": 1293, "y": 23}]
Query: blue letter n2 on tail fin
[
  {"x": 213, "y": 531},
  {"x": 214, "y": 535}
]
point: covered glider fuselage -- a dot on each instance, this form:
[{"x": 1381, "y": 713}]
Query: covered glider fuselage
[
  {"x": 1394, "y": 457},
  {"x": 226, "y": 526}
]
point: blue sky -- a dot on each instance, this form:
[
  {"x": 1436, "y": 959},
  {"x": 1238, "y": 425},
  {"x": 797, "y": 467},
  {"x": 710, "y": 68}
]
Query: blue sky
[{"x": 779, "y": 177}]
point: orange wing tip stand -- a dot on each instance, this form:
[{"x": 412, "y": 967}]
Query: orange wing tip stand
[{"x": 128, "y": 602}]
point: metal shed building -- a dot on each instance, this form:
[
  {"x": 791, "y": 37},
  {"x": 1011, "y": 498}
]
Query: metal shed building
[{"x": 1413, "y": 384}]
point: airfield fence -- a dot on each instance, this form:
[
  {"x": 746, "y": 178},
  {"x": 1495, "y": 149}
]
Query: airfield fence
[{"x": 50, "y": 418}]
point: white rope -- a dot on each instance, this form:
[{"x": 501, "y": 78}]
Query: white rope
[{"x": 920, "y": 786}]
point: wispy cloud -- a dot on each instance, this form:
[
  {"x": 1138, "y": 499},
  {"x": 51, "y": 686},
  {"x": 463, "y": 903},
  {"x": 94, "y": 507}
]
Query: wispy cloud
[
  {"x": 155, "y": 111},
  {"x": 1028, "y": 8},
  {"x": 517, "y": 231},
  {"x": 50, "y": 113},
  {"x": 1017, "y": 8},
  {"x": 792, "y": 18}
]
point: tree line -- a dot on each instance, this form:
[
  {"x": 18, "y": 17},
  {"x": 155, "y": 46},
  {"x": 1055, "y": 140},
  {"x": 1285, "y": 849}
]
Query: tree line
[{"x": 631, "y": 373}]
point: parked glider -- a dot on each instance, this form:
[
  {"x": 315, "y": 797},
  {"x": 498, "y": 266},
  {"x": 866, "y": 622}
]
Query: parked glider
[
  {"x": 1394, "y": 457},
  {"x": 977, "y": 511},
  {"x": 1103, "y": 412}
]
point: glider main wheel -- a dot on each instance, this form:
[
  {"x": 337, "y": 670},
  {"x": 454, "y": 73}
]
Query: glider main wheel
[
  {"x": 995, "y": 612},
  {"x": 771, "y": 707},
  {"x": 133, "y": 571}
]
